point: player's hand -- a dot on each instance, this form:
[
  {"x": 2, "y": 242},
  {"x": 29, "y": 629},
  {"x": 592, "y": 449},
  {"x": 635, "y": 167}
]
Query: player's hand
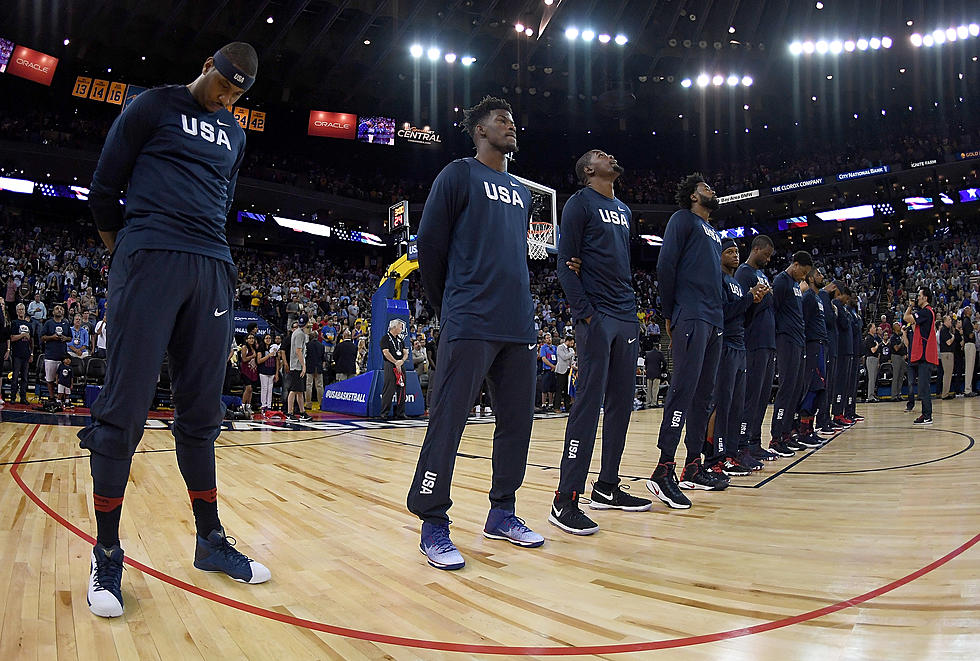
[
  {"x": 758, "y": 292},
  {"x": 804, "y": 286},
  {"x": 574, "y": 264},
  {"x": 588, "y": 320},
  {"x": 667, "y": 328}
]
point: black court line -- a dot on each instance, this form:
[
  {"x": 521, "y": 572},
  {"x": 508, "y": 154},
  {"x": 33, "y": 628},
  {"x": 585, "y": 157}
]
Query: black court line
[{"x": 892, "y": 468}]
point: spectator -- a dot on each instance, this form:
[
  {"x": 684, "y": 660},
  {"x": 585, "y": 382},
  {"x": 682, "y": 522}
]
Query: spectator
[
  {"x": 65, "y": 379},
  {"x": 21, "y": 354},
  {"x": 5, "y": 333},
  {"x": 248, "y": 366},
  {"x": 345, "y": 357},
  {"x": 296, "y": 386},
  {"x": 395, "y": 353},
  {"x": 314, "y": 370},
  {"x": 872, "y": 352},
  {"x": 898, "y": 351},
  {"x": 101, "y": 335},
  {"x": 549, "y": 358},
  {"x": 268, "y": 369},
  {"x": 969, "y": 353},
  {"x": 654, "y": 364},
  {"x": 78, "y": 347},
  {"x": 419, "y": 358},
  {"x": 946, "y": 349},
  {"x": 566, "y": 356},
  {"x": 36, "y": 310},
  {"x": 55, "y": 336},
  {"x": 362, "y": 353}
]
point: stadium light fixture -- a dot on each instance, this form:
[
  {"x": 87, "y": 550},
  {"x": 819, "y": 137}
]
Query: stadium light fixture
[
  {"x": 717, "y": 80},
  {"x": 518, "y": 27},
  {"x": 916, "y": 39},
  {"x": 66, "y": 41},
  {"x": 588, "y": 35},
  {"x": 604, "y": 38},
  {"x": 939, "y": 36},
  {"x": 467, "y": 60},
  {"x": 686, "y": 82},
  {"x": 836, "y": 46},
  {"x": 886, "y": 42},
  {"x": 433, "y": 53},
  {"x": 747, "y": 81},
  {"x": 621, "y": 39},
  {"x": 973, "y": 29},
  {"x": 796, "y": 48},
  {"x": 808, "y": 47},
  {"x": 571, "y": 33},
  {"x": 703, "y": 80},
  {"x": 950, "y": 34},
  {"x": 450, "y": 57},
  {"x": 962, "y": 32},
  {"x": 862, "y": 44},
  {"x": 849, "y": 45},
  {"x": 928, "y": 41},
  {"x": 821, "y": 46},
  {"x": 732, "y": 80},
  {"x": 874, "y": 43},
  {"x": 529, "y": 32},
  {"x": 416, "y": 51}
]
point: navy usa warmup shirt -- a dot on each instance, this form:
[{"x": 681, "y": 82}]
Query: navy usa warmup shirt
[
  {"x": 760, "y": 322},
  {"x": 830, "y": 320},
  {"x": 596, "y": 229},
  {"x": 788, "y": 307},
  {"x": 737, "y": 301},
  {"x": 689, "y": 270},
  {"x": 181, "y": 164},
  {"x": 472, "y": 245},
  {"x": 813, "y": 317}
]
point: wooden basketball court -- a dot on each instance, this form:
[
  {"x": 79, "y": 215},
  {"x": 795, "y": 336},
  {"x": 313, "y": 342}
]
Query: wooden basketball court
[{"x": 863, "y": 549}]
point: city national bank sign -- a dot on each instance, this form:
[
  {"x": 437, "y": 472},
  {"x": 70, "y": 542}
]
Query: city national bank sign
[{"x": 420, "y": 136}]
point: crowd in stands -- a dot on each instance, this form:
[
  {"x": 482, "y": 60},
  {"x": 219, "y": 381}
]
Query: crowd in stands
[{"x": 776, "y": 159}]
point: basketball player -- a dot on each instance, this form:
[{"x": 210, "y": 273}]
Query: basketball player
[
  {"x": 845, "y": 356},
  {"x": 814, "y": 385},
  {"x": 596, "y": 229},
  {"x": 760, "y": 346},
  {"x": 856, "y": 334},
  {"x": 826, "y": 296},
  {"x": 689, "y": 272},
  {"x": 924, "y": 352},
  {"x": 472, "y": 244},
  {"x": 790, "y": 343},
  {"x": 729, "y": 396},
  {"x": 171, "y": 289}
]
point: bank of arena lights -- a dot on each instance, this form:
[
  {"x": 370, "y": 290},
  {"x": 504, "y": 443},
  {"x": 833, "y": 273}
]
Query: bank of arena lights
[
  {"x": 949, "y": 35},
  {"x": 717, "y": 80},
  {"x": 838, "y": 46},
  {"x": 588, "y": 34},
  {"x": 434, "y": 52}
]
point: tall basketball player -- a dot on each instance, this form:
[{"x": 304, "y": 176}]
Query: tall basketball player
[
  {"x": 689, "y": 272},
  {"x": 595, "y": 227},
  {"x": 760, "y": 346},
  {"x": 472, "y": 254},
  {"x": 171, "y": 289},
  {"x": 826, "y": 295},
  {"x": 814, "y": 386}
]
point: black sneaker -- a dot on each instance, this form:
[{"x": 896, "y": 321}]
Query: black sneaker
[
  {"x": 616, "y": 498},
  {"x": 304, "y": 417},
  {"x": 565, "y": 514},
  {"x": 762, "y": 454},
  {"x": 746, "y": 459},
  {"x": 731, "y": 467},
  {"x": 857, "y": 417},
  {"x": 791, "y": 443},
  {"x": 663, "y": 485},
  {"x": 779, "y": 447},
  {"x": 922, "y": 420},
  {"x": 695, "y": 476},
  {"x": 826, "y": 431},
  {"x": 810, "y": 441},
  {"x": 105, "y": 581}
]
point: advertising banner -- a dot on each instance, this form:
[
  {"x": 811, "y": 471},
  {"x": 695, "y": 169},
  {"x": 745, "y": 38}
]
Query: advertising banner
[
  {"x": 83, "y": 85},
  {"x": 99, "y": 89},
  {"x": 782, "y": 188},
  {"x": 32, "y": 65},
  {"x": 923, "y": 163},
  {"x": 880, "y": 169},
  {"x": 117, "y": 93},
  {"x": 420, "y": 136},
  {"x": 747, "y": 195},
  {"x": 332, "y": 125},
  {"x": 964, "y": 155}
]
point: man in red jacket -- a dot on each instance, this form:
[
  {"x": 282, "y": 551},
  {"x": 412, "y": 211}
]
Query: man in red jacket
[{"x": 924, "y": 351}]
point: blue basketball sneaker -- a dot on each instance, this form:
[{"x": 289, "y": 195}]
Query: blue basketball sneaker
[
  {"x": 105, "y": 581},
  {"x": 504, "y": 524},
  {"x": 217, "y": 554},
  {"x": 438, "y": 548}
]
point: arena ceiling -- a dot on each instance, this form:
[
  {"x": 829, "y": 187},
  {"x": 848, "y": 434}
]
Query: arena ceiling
[{"x": 353, "y": 55}]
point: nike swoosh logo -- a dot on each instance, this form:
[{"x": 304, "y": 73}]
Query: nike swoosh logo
[
  {"x": 607, "y": 496},
  {"x": 218, "y": 314},
  {"x": 531, "y": 347},
  {"x": 719, "y": 334},
  {"x": 621, "y": 208},
  {"x": 557, "y": 511},
  {"x": 221, "y": 123},
  {"x": 628, "y": 342}
]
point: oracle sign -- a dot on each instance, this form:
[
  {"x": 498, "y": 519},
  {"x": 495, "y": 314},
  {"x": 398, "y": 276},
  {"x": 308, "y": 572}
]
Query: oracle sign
[
  {"x": 333, "y": 124},
  {"x": 32, "y": 65}
]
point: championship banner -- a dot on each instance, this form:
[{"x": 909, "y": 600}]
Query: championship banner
[
  {"x": 32, "y": 65},
  {"x": 83, "y": 85},
  {"x": 99, "y": 89},
  {"x": 117, "y": 92},
  {"x": 132, "y": 91},
  {"x": 332, "y": 125},
  {"x": 419, "y": 136},
  {"x": 747, "y": 195},
  {"x": 241, "y": 114},
  {"x": 257, "y": 123}
]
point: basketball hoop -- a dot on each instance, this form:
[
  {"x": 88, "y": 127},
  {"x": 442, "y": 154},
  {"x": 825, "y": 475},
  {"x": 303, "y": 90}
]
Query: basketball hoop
[{"x": 540, "y": 235}]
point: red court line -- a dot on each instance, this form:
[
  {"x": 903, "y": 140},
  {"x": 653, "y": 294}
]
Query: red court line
[{"x": 420, "y": 643}]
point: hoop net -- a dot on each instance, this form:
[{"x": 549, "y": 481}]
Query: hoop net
[{"x": 540, "y": 235}]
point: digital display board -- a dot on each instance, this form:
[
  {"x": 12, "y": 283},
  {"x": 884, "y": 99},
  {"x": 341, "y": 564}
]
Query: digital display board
[
  {"x": 790, "y": 223},
  {"x": 376, "y": 130}
]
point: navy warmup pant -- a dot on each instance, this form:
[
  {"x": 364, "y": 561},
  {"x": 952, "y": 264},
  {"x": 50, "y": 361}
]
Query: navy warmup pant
[
  {"x": 789, "y": 357},
  {"x": 760, "y": 369},
  {"x": 463, "y": 365},
  {"x": 607, "y": 351},
  {"x": 814, "y": 380},
  {"x": 823, "y": 416},
  {"x": 729, "y": 401},
  {"x": 842, "y": 380},
  {"x": 851, "y": 405},
  {"x": 164, "y": 301},
  {"x": 695, "y": 349}
]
